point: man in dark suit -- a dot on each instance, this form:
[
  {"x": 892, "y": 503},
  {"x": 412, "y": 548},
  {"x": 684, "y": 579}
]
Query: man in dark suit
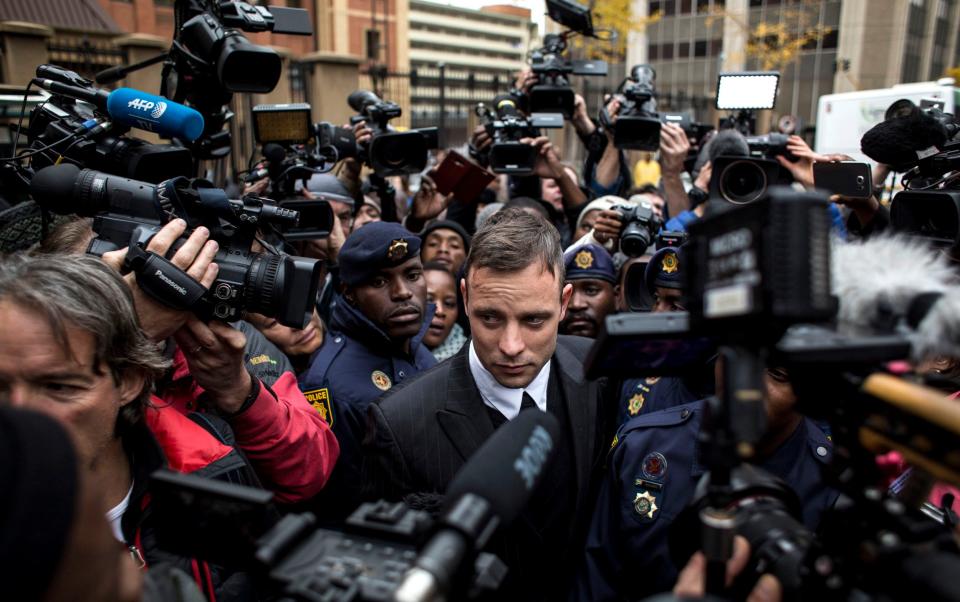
[{"x": 422, "y": 432}]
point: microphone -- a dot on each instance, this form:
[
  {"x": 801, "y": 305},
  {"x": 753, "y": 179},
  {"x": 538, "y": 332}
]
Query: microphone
[
  {"x": 155, "y": 114},
  {"x": 518, "y": 453},
  {"x": 900, "y": 141},
  {"x": 134, "y": 108},
  {"x": 894, "y": 276}
]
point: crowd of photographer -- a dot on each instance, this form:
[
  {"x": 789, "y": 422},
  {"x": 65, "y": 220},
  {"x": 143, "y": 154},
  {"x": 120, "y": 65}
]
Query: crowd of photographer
[{"x": 695, "y": 365}]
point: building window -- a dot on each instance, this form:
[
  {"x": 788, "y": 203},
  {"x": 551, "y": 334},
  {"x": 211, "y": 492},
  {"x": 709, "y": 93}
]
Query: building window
[
  {"x": 683, "y": 50},
  {"x": 666, "y": 52},
  {"x": 655, "y": 7},
  {"x": 653, "y": 52},
  {"x": 700, "y": 48},
  {"x": 916, "y": 21},
  {"x": 373, "y": 44},
  {"x": 686, "y": 7},
  {"x": 669, "y": 8},
  {"x": 294, "y": 3},
  {"x": 716, "y": 47}
]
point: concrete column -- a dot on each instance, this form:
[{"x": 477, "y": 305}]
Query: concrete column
[
  {"x": 24, "y": 47},
  {"x": 736, "y": 24},
  {"x": 333, "y": 77},
  {"x": 139, "y": 47},
  {"x": 637, "y": 41}
]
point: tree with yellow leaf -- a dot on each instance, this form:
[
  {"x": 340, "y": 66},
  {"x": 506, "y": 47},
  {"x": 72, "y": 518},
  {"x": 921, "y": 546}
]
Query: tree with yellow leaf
[{"x": 613, "y": 20}]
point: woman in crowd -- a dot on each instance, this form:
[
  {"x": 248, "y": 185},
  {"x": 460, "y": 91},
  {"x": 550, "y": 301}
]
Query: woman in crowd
[{"x": 444, "y": 337}]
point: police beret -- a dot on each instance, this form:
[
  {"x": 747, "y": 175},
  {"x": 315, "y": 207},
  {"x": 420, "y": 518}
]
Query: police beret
[
  {"x": 446, "y": 224},
  {"x": 664, "y": 270},
  {"x": 589, "y": 261},
  {"x": 375, "y": 246}
]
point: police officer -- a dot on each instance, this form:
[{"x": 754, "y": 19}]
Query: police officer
[
  {"x": 374, "y": 343},
  {"x": 664, "y": 280},
  {"x": 652, "y": 473},
  {"x": 589, "y": 268}
]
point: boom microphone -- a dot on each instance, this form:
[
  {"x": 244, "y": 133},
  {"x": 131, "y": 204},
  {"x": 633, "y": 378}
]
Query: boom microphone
[
  {"x": 900, "y": 141},
  {"x": 477, "y": 505},
  {"x": 893, "y": 277}
]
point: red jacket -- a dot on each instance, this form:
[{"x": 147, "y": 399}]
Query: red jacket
[{"x": 287, "y": 442}]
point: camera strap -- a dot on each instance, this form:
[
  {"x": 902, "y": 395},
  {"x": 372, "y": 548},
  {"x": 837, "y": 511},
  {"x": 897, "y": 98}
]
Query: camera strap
[{"x": 159, "y": 278}]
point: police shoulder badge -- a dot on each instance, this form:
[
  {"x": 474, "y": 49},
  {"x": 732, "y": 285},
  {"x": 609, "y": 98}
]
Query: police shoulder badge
[
  {"x": 670, "y": 263},
  {"x": 654, "y": 466},
  {"x": 381, "y": 380},
  {"x": 645, "y": 504},
  {"x": 635, "y": 404},
  {"x": 397, "y": 250},
  {"x": 584, "y": 259},
  {"x": 320, "y": 400}
]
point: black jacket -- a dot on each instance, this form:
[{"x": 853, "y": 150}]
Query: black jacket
[{"x": 421, "y": 433}]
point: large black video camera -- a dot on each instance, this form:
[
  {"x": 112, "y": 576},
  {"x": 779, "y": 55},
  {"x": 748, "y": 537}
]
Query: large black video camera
[
  {"x": 637, "y": 125},
  {"x": 210, "y": 59},
  {"x": 929, "y": 204},
  {"x": 506, "y": 125},
  {"x": 745, "y": 179},
  {"x": 127, "y": 214},
  {"x": 390, "y": 153},
  {"x": 295, "y": 147}
]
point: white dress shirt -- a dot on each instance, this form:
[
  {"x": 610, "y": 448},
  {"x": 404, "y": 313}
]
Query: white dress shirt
[{"x": 505, "y": 399}]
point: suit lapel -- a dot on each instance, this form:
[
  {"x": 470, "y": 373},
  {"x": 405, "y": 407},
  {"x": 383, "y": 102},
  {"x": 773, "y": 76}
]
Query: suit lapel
[
  {"x": 463, "y": 418},
  {"x": 580, "y": 398}
]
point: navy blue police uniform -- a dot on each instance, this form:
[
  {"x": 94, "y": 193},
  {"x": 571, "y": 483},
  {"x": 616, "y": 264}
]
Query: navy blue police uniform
[
  {"x": 358, "y": 362},
  {"x": 654, "y": 393},
  {"x": 652, "y": 473}
]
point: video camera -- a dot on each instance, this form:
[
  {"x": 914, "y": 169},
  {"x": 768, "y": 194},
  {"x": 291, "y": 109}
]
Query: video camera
[
  {"x": 929, "y": 205},
  {"x": 86, "y": 125},
  {"x": 637, "y": 125},
  {"x": 553, "y": 93},
  {"x": 210, "y": 59},
  {"x": 296, "y": 148},
  {"x": 506, "y": 125},
  {"x": 390, "y": 153},
  {"x": 128, "y": 213}
]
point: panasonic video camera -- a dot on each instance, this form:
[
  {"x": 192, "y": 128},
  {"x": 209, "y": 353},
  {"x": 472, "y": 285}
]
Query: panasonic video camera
[{"x": 127, "y": 214}]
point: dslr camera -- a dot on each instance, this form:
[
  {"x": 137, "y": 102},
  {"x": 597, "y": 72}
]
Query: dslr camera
[
  {"x": 506, "y": 125},
  {"x": 746, "y": 179},
  {"x": 640, "y": 227},
  {"x": 390, "y": 153},
  {"x": 127, "y": 214}
]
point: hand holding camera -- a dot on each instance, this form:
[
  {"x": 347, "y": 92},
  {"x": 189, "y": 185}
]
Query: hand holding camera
[
  {"x": 214, "y": 353},
  {"x": 674, "y": 146}
]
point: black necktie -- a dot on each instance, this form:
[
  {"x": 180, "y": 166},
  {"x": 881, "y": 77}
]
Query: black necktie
[{"x": 527, "y": 402}]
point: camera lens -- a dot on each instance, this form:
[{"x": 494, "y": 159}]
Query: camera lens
[
  {"x": 398, "y": 153},
  {"x": 263, "y": 284},
  {"x": 635, "y": 239},
  {"x": 246, "y": 67},
  {"x": 743, "y": 182}
]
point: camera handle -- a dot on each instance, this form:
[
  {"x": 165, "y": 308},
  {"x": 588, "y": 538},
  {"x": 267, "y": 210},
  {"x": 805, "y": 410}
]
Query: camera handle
[
  {"x": 734, "y": 422},
  {"x": 157, "y": 276},
  {"x": 387, "y": 195}
]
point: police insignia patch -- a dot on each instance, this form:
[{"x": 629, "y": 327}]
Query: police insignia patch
[
  {"x": 635, "y": 404},
  {"x": 320, "y": 400},
  {"x": 381, "y": 380},
  {"x": 584, "y": 259},
  {"x": 645, "y": 505},
  {"x": 397, "y": 250},
  {"x": 669, "y": 263},
  {"x": 654, "y": 466}
]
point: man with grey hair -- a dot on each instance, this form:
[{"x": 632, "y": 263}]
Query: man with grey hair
[
  {"x": 421, "y": 434},
  {"x": 71, "y": 347}
]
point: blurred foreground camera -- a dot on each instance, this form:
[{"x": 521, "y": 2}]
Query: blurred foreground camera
[
  {"x": 743, "y": 180},
  {"x": 127, "y": 214},
  {"x": 391, "y": 153}
]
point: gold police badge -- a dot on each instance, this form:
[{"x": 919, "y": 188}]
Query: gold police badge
[
  {"x": 635, "y": 404},
  {"x": 670, "y": 263},
  {"x": 645, "y": 505},
  {"x": 320, "y": 400},
  {"x": 381, "y": 380},
  {"x": 397, "y": 250},
  {"x": 584, "y": 259}
]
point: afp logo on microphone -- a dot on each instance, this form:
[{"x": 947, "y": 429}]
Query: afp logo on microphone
[{"x": 156, "y": 109}]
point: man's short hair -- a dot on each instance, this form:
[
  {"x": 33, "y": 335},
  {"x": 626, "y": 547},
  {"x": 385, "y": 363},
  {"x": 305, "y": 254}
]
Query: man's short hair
[
  {"x": 83, "y": 292},
  {"x": 513, "y": 239}
]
